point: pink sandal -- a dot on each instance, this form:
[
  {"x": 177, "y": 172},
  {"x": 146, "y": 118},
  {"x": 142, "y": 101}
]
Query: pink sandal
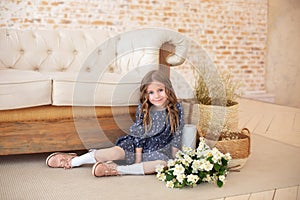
[
  {"x": 105, "y": 169},
  {"x": 60, "y": 160}
]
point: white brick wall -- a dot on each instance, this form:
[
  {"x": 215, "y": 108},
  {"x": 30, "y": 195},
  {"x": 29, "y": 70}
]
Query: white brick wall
[{"x": 232, "y": 32}]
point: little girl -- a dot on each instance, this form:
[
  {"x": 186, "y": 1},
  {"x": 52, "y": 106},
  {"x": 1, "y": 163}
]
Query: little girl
[{"x": 154, "y": 138}]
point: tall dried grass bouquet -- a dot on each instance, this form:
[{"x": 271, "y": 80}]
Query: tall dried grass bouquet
[
  {"x": 194, "y": 166},
  {"x": 214, "y": 89}
]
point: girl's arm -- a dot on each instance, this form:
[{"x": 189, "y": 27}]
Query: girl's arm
[
  {"x": 176, "y": 142},
  {"x": 138, "y": 154},
  {"x": 137, "y": 129}
]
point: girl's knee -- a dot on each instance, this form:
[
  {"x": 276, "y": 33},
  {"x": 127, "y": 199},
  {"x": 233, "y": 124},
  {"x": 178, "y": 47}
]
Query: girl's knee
[
  {"x": 161, "y": 162},
  {"x": 112, "y": 153},
  {"x": 149, "y": 167}
]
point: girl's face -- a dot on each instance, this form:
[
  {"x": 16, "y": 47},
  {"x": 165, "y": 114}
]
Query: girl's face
[{"x": 157, "y": 94}]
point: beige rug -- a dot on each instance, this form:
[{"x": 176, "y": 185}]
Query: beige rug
[{"x": 271, "y": 165}]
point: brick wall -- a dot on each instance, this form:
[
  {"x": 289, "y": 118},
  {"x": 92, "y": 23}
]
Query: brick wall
[{"x": 232, "y": 32}]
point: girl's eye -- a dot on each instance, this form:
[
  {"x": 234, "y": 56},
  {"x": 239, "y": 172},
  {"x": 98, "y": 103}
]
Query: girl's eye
[
  {"x": 151, "y": 92},
  {"x": 161, "y": 90}
]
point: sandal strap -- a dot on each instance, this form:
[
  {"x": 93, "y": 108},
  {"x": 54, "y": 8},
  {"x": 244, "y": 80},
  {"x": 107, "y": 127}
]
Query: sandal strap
[{"x": 111, "y": 170}]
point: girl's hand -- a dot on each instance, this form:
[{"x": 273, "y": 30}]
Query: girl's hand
[
  {"x": 138, "y": 155},
  {"x": 174, "y": 151}
]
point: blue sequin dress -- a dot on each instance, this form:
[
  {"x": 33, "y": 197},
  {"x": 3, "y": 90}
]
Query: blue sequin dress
[{"x": 157, "y": 142}]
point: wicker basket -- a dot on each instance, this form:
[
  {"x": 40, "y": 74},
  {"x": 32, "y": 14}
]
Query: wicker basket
[
  {"x": 239, "y": 149},
  {"x": 208, "y": 117},
  {"x": 224, "y": 117}
]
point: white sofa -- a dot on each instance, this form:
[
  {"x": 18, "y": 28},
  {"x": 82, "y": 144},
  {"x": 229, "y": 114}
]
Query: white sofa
[{"x": 50, "y": 78}]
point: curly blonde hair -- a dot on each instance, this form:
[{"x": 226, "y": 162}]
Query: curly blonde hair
[{"x": 158, "y": 76}]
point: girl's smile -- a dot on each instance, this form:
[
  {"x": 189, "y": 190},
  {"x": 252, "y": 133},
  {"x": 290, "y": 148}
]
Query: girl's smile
[{"x": 157, "y": 94}]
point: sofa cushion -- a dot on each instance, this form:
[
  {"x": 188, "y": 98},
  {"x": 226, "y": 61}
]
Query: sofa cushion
[
  {"x": 19, "y": 89},
  {"x": 88, "y": 89}
]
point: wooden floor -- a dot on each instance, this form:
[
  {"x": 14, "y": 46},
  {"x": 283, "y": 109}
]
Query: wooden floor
[{"x": 279, "y": 123}]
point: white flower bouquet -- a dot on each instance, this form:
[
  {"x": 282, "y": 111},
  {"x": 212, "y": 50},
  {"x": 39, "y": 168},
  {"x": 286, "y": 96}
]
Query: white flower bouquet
[{"x": 192, "y": 167}]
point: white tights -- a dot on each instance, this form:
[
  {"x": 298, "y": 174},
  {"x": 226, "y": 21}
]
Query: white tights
[
  {"x": 116, "y": 153},
  {"x": 140, "y": 168}
]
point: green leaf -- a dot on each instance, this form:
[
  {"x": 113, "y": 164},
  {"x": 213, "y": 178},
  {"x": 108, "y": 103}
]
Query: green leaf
[
  {"x": 217, "y": 167},
  {"x": 224, "y": 162},
  {"x": 201, "y": 174},
  {"x": 179, "y": 185},
  {"x": 223, "y": 168},
  {"x": 169, "y": 177},
  {"x": 219, "y": 183},
  {"x": 199, "y": 181},
  {"x": 188, "y": 170},
  {"x": 210, "y": 159},
  {"x": 221, "y": 172}
]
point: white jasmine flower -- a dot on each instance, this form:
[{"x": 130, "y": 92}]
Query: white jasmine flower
[
  {"x": 179, "y": 154},
  {"x": 201, "y": 140},
  {"x": 199, "y": 154},
  {"x": 200, "y": 147},
  {"x": 214, "y": 151},
  {"x": 214, "y": 178},
  {"x": 202, "y": 163},
  {"x": 207, "y": 178},
  {"x": 215, "y": 159},
  {"x": 184, "y": 162},
  {"x": 186, "y": 149},
  {"x": 171, "y": 163},
  {"x": 180, "y": 177},
  {"x": 189, "y": 151},
  {"x": 179, "y": 169},
  {"x": 188, "y": 158},
  {"x": 159, "y": 168},
  {"x": 170, "y": 184},
  {"x": 208, "y": 166},
  {"x": 196, "y": 165},
  {"x": 192, "y": 178},
  {"x": 161, "y": 176},
  {"x": 207, "y": 154},
  {"x": 228, "y": 156},
  {"x": 222, "y": 178}
]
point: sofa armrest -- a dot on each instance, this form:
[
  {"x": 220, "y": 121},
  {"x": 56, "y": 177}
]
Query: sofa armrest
[{"x": 166, "y": 50}]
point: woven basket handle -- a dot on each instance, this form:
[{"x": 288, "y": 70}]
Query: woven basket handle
[{"x": 246, "y": 131}]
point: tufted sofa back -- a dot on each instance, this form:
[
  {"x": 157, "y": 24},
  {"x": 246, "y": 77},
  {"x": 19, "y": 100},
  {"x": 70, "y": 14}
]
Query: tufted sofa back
[
  {"x": 47, "y": 50},
  {"x": 67, "y": 50}
]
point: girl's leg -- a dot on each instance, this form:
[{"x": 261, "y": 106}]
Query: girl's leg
[
  {"x": 150, "y": 166},
  {"x": 70, "y": 160},
  {"x": 140, "y": 168},
  {"x": 100, "y": 155},
  {"x": 87, "y": 158},
  {"x": 108, "y": 154},
  {"x": 112, "y": 169}
]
